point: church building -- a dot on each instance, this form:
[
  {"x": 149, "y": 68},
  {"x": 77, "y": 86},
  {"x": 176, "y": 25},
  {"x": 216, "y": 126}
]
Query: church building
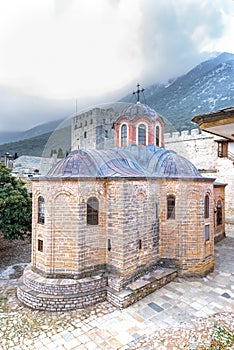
[{"x": 119, "y": 217}]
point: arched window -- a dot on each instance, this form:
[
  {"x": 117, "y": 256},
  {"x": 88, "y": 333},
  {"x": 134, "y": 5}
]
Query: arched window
[
  {"x": 207, "y": 207},
  {"x": 92, "y": 211},
  {"x": 41, "y": 210},
  {"x": 219, "y": 216},
  {"x": 124, "y": 135},
  {"x": 142, "y": 135},
  {"x": 170, "y": 207},
  {"x": 157, "y": 136}
]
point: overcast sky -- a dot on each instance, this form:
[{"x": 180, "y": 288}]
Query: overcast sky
[{"x": 73, "y": 49}]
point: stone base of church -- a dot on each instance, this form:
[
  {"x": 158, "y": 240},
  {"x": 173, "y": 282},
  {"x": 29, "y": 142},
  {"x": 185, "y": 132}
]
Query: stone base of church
[{"x": 51, "y": 294}]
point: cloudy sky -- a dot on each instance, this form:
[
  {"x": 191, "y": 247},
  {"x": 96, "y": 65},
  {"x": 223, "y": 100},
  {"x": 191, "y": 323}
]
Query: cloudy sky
[{"x": 76, "y": 49}]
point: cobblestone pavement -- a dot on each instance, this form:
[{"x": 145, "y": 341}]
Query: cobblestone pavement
[{"x": 181, "y": 315}]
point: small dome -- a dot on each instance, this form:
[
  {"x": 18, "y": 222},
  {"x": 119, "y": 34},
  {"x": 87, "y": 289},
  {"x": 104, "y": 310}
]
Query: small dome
[
  {"x": 169, "y": 164},
  {"x": 139, "y": 109}
]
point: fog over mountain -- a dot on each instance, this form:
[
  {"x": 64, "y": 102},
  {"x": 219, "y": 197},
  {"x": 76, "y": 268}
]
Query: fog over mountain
[{"x": 207, "y": 87}]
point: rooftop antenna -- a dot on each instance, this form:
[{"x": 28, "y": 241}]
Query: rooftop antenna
[{"x": 137, "y": 92}]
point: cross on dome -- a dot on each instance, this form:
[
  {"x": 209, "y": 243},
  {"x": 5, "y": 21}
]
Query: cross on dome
[{"x": 137, "y": 92}]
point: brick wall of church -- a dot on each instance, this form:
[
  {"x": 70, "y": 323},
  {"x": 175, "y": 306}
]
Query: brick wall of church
[{"x": 132, "y": 126}]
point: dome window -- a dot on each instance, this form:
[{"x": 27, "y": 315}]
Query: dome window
[
  {"x": 157, "y": 136},
  {"x": 142, "y": 135},
  {"x": 124, "y": 135}
]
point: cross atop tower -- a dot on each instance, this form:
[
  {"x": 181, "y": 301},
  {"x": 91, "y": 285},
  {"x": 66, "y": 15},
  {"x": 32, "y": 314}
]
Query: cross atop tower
[{"x": 137, "y": 92}]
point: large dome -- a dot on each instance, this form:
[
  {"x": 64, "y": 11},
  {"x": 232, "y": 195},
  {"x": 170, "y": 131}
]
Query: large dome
[
  {"x": 132, "y": 161},
  {"x": 93, "y": 163},
  {"x": 139, "y": 109}
]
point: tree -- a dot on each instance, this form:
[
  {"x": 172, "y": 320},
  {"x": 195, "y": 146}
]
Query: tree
[{"x": 15, "y": 206}]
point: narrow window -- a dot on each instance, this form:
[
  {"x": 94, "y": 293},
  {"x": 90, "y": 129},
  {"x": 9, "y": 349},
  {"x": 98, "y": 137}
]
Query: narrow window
[
  {"x": 207, "y": 207},
  {"x": 157, "y": 136},
  {"x": 170, "y": 207},
  {"x": 142, "y": 135},
  {"x": 140, "y": 244},
  {"x": 219, "y": 216},
  {"x": 92, "y": 211},
  {"x": 85, "y": 135},
  {"x": 207, "y": 233},
  {"x": 40, "y": 245},
  {"x": 156, "y": 210},
  {"x": 124, "y": 135},
  {"x": 109, "y": 245},
  {"x": 41, "y": 210}
]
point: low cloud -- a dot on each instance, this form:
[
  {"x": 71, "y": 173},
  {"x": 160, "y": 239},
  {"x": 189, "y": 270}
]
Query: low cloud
[{"x": 68, "y": 49}]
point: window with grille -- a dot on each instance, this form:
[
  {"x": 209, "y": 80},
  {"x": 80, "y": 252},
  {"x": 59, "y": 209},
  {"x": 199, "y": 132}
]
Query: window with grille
[
  {"x": 41, "y": 210},
  {"x": 92, "y": 211},
  {"x": 142, "y": 135},
  {"x": 170, "y": 207}
]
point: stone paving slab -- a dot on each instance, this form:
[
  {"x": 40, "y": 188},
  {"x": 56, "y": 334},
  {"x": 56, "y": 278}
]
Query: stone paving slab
[{"x": 178, "y": 316}]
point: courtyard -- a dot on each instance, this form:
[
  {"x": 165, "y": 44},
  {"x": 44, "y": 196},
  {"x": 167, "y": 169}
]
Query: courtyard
[{"x": 185, "y": 314}]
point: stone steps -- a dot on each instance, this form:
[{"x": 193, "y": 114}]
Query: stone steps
[{"x": 141, "y": 287}]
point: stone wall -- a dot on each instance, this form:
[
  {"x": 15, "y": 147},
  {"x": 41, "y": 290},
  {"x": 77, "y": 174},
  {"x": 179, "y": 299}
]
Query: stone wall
[
  {"x": 118, "y": 259},
  {"x": 71, "y": 247},
  {"x": 93, "y": 129},
  {"x": 133, "y": 231},
  {"x": 202, "y": 150},
  {"x": 133, "y": 228},
  {"x": 182, "y": 239}
]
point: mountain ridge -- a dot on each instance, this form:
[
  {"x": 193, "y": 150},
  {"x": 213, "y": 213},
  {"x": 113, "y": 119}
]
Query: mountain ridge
[{"x": 207, "y": 87}]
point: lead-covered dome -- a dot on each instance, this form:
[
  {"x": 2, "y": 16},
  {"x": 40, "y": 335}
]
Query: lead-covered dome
[
  {"x": 94, "y": 163},
  {"x": 139, "y": 109},
  {"x": 132, "y": 161},
  {"x": 166, "y": 163}
]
